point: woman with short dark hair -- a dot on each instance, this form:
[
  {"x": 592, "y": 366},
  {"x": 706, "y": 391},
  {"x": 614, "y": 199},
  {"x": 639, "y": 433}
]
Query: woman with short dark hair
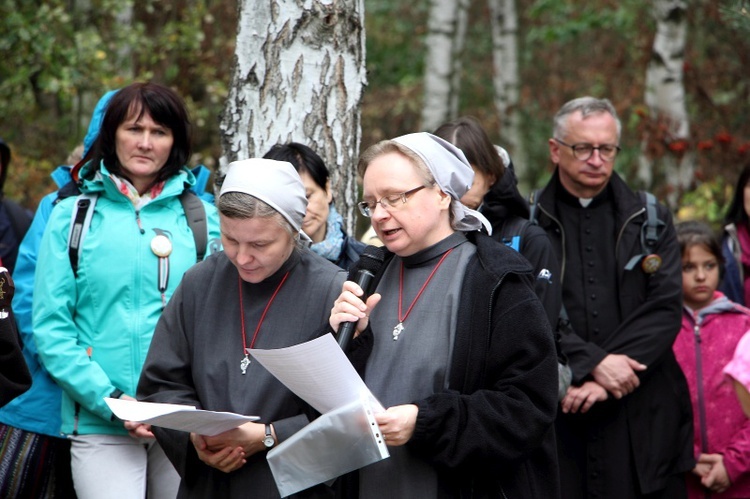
[
  {"x": 94, "y": 315},
  {"x": 494, "y": 193},
  {"x": 322, "y": 223}
]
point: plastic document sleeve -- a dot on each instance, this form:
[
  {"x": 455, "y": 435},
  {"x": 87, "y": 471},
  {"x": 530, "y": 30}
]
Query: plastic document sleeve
[
  {"x": 345, "y": 437},
  {"x": 336, "y": 443}
]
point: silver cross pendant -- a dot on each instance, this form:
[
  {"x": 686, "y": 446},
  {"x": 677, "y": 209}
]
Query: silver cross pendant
[
  {"x": 244, "y": 363},
  {"x": 398, "y": 330}
]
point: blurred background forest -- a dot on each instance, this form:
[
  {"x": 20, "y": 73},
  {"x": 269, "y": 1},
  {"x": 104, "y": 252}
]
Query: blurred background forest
[{"x": 59, "y": 56}]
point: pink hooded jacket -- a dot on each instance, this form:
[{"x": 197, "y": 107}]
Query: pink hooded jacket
[{"x": 703, "y": 347}]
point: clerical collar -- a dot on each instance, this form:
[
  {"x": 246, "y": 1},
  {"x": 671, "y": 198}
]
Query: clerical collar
[
  {"x": 569, "y": 199},
  {"x": 435, "y": 251}
]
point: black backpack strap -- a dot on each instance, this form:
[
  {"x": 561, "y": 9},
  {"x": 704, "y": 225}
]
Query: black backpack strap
[
  {"x": 533, "y": 198},
  {"x": 653, "y": 224},
  {"x": 196, "y": 218},
  {"x": 80, "y": 220},
  {"x": 83, "y": 210},
  {"x": 68, "y": 190},
  {"x": 650, "y": 230},
  {"x": 20, "y": 220}
]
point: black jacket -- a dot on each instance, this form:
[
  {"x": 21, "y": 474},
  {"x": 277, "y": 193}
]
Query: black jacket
[
  {"x": 14, "y": 374},
  {"x": 659, "y": 415},
  {"x": 491, "y": 433},
  {"x": 504, "y": 206},
  {"x": 14, "y": 220},
  {"x": 15, "y": 378}
]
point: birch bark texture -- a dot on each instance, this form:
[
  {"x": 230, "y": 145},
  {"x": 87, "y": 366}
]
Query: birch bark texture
[
  {"x": 665, "y": 95},
  {"x": 446, "y": 32},
  {"x": 299, "y": 74},
  {"x": 505, "y": 77}
]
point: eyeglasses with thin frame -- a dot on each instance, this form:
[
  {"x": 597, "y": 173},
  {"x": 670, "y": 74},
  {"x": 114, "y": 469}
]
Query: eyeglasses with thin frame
[
  {"x": 389, "y": 202},
  {"x": 583, "y": 152}
]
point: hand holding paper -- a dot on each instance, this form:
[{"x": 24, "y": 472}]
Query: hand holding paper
[
  {"x": 397, "y": 423},
  {"x": 177, "y": 417}
]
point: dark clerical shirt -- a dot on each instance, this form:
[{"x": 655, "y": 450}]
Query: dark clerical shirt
[{"x": 590, "y": 272}]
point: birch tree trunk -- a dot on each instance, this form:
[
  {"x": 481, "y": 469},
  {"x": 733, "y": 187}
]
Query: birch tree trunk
[
  {"x": 446, "y": 32},
  {"x": 504, "y": 27},
  {"x": 298, "y": 76},
  {"x": 665, "y": 96}
]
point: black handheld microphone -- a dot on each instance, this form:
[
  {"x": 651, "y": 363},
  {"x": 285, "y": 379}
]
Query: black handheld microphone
[{"x": 368, "y": 265}]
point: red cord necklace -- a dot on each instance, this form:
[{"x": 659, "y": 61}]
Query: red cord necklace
[
  {"x": 400, "y": 326},
  {"x": 246, "y": 359}
]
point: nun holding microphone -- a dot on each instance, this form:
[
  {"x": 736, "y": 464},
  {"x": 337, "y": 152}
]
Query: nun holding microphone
[
  {"x": 453, "y": 341},
  {"x": 264, "y": 290}
]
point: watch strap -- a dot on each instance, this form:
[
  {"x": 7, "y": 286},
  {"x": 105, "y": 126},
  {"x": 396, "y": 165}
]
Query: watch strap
[{"x": 269, "y": 441}]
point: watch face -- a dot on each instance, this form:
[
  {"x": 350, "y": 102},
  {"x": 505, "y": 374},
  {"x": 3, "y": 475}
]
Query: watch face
[{"x": 268, "y": 441}]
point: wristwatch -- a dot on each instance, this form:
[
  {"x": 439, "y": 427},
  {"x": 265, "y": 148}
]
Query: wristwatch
[{"x": 268, "y": 440}]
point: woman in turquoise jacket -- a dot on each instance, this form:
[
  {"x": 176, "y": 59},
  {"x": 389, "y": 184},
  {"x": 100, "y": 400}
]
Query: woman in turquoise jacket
[
  {"x": 33, "y": 452},
  {"x": 93, "y": 326}
]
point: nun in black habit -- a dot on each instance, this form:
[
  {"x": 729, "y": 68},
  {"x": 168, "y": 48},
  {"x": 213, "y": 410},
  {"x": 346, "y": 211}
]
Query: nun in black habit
[{"x": 454, "y": 342}]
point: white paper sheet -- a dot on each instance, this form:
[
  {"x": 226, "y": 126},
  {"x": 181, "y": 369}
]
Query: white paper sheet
[
  {"x": 177, "y": 417},
  {"x": 318, "y": 372}
]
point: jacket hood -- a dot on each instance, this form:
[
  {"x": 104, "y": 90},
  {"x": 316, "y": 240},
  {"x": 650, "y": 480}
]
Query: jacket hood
[
  {"x": 504, "y": 200},
  {"x": 719, "y": 305},
  {"x": 196, "y": 179},
  {"x": 5, "y": 160},
  {"x": 202, "y": 175},
  {"x": 96, "y": 121},
  {"x": 61, "y": 175}
]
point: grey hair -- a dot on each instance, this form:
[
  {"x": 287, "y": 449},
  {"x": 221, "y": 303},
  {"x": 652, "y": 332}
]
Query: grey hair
[
  {"x": 388, "y": 146},
  {"x": 242, "y": 206},
  {"x": 587, "y": 106}
]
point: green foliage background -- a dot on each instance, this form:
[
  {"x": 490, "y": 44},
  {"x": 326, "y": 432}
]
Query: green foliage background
[{"x": 59, "y": 56}]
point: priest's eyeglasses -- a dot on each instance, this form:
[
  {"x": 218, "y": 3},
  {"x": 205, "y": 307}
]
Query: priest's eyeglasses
[
  {"x": 583, "y": 152},
  {"x": 367, "y": 208}
]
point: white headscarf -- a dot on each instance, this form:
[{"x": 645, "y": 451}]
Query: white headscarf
[
  {"x": 276, "y": 183},
  {"x": 452, "y": 172}
]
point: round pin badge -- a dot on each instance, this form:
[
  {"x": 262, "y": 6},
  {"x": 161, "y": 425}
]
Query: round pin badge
[
  {"x": 161, "y": 246},
  {"x": 651, "y": 263}
]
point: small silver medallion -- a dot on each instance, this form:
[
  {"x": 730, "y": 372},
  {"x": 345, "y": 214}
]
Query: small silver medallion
[
  {"x": 244, "y": 364},
  {"x": 398, "y": 330}
]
